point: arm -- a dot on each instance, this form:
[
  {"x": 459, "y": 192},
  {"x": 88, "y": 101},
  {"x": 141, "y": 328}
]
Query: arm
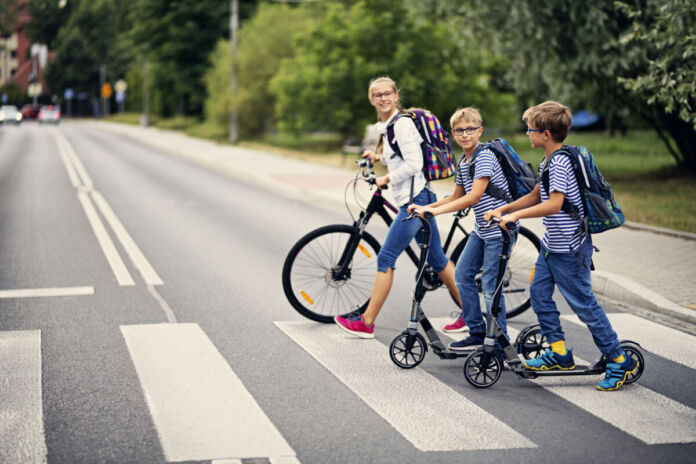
[
  {"x": 527, "y": 201},
  {"x": 458, "y": 193},
  {"x": 459, "y": 203}
]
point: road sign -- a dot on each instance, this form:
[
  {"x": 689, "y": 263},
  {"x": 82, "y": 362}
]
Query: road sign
[
  {"x": 68, "y": 94},
  {"x": 106, "y": 90},
  {"x": 4, "y": 98},
  {"x": 121, "y": 85},
  {"x": 34, "y": 90},
  {"x": 120, "y": 96}
]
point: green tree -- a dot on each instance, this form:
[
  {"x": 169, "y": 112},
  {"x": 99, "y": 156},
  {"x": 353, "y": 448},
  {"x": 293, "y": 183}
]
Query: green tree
[
  {"x": 325, "y": 85},
  {"x": 8, "y": 17},
  {"x": 47, "y": 17},
  {"x": 91, "y": 37},
  {"x": 177, "y": 39},
  {"x": 595, "y": 55},
  {"x": 263, "y": 43}
]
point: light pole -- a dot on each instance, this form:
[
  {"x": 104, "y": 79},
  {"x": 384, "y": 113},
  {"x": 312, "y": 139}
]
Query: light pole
[{"x": 234, "y": 7}]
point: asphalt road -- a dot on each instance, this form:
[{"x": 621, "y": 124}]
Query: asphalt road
[{"x": 154, "y": 328}]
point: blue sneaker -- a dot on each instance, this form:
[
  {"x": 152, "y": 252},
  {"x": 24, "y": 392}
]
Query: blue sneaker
[
  {"x": 616, "y": 374},
  {"x": 550, "y": 360},
  {"x": 470, "y": 343}
]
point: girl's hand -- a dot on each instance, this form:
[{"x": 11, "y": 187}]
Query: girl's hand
[
  {"x": 410, "y": 208},
  {"x": 382, "y": 181},
  {"x": 374, "y": 157}
]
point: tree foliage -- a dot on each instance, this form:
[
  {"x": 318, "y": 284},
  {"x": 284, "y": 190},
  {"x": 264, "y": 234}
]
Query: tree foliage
[
  {"x": 47, "y": 17},
  {"x": 177, "y": 39},
  {"x": 324, "y": 86},
  {"x": 262, "y": 44},
  {"x": 601, "y": 55}
]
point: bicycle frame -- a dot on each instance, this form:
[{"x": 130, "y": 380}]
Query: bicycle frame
[{"x": 381, "y": 206}]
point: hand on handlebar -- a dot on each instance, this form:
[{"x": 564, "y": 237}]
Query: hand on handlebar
[
  {"x": 490, "y": 214},
  {"x": 371, "y": 155},
  {"x": 424, "y": 212},
  {"x": 507, "y": 222}
]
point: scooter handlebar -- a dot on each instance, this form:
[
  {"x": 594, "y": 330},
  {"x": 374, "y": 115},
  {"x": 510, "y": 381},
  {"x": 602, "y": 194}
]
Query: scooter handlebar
[
  {"x": 510, "y": 226},
  {"x": 415, "y": 213}
]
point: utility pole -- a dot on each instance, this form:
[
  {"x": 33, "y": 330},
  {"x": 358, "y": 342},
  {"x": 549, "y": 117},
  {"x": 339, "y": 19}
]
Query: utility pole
[
  {"x": 145, "y": 118},
  {"x": 102, "y": 79},
  {"x": 234, "y": 7}
]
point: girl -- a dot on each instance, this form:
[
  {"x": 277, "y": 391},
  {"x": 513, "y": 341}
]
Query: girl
[{"x": 406, "y": 178}]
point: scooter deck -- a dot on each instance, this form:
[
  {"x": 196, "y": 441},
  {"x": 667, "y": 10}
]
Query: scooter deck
[{"x": 577, "y": 370}]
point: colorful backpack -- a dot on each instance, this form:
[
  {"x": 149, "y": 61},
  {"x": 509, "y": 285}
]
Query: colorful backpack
[
  {"x": 602, "y": 212},
  {"x": 438, "y": 156},
  {"x": 520, "y": 175}
]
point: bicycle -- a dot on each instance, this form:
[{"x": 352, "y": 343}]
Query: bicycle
[{"x": 330, "y": 270}]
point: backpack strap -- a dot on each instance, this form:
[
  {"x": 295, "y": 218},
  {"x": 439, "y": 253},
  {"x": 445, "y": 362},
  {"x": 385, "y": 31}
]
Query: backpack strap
[
  {"x": 492, "y": 190},
  {"x": 567, "y": 207}
]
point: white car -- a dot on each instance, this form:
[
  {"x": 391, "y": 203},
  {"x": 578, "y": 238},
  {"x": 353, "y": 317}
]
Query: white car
[
  {"x": 49, "y": 113},
  {"x": 9, "y": 114}
]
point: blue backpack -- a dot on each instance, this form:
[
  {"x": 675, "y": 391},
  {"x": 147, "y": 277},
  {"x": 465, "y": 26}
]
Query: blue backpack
[
  {"x": 520, "y": 175},
  {"x": 602, "y": 212}
]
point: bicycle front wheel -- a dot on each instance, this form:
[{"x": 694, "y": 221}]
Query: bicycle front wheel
[
  {"x": 313, "y": 282},
  {"x": 518, "y": 274}
]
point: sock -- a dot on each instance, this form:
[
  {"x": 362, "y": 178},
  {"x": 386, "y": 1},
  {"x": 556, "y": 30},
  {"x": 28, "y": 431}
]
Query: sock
[
  {"x": 620, "y": 359},
  {"x": 559, "y": 347}
]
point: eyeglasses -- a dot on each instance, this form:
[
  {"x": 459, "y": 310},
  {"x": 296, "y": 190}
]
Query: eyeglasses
[
  {"x": 468, "y": 131},
  {"x": 386, "y": 94},
  {"x": 534, "y": 130}
]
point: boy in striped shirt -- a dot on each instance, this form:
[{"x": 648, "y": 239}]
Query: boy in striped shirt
[
  {"x": 485, "y": 244},
  {"x": 566, "y": 252}
]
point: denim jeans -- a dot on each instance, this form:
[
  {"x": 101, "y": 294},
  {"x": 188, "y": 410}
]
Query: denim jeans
[
  {"x": 478, "y": 252},
  {"x": 570, "y": 272},
  {"x": 401, "y": 233}
]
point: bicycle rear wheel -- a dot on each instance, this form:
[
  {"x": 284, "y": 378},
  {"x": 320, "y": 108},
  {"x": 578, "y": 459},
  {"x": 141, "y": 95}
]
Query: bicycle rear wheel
[
  {"x": 311, "y": 279},
  {"x": 518, "y": 274}
]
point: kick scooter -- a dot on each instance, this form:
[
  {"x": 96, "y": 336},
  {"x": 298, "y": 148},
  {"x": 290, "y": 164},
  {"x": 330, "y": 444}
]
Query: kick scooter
[{"x": 482, "y": 367}]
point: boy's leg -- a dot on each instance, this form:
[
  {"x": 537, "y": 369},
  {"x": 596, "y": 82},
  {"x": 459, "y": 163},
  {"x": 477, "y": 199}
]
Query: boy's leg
[
  {"x": 541, "y": 292},
  {"x": 465, "y": 276},
  {"x": 493, "y": 248},
  {"x": 576, "y": 287}
]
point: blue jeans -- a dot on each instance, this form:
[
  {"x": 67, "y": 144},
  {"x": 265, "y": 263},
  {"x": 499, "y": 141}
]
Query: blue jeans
[
  {"x": 478, "y": 252},
  {"x": 401, "y": 233},
  {"x": 570, "y": 272}
]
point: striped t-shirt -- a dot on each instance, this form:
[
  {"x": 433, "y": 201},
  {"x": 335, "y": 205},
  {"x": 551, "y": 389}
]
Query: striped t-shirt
[
  {"x": 562, "y": 231},
  {"x": 485, "y": 165}
]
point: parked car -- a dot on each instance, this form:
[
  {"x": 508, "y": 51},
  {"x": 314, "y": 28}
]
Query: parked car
[
  {"x": 30, "y": 111},
  {"x": 49, "y": 113},
  {"x": 10, "y": 115}
]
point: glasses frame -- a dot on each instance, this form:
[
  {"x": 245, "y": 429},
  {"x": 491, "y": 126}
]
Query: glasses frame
[
  {"x": 380, "y": 95},
  {"x": 541, "y": 131},
  {"x": 466, "y": 130}
]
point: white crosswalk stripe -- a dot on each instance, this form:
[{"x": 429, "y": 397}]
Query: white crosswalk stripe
[
  {"x": 672, "y": 344},
  {"x": 638, "y": 411},
  {"x": 431, "y": 422},
  {"x": 21, "y": 407},
  {"x": 200, "y": 407}
]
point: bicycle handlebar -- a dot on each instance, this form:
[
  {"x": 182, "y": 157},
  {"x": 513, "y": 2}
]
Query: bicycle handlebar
[{"x": 365, "y": 168}]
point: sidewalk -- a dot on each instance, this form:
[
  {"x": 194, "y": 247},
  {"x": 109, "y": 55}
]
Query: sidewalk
[{"x": 646, "y": 270}]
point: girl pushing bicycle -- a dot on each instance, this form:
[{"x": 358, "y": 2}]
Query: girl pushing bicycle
[{"x": 409, "y": 185}]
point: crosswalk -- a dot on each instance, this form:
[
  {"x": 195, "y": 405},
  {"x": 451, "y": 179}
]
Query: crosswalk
[{"x": 202, "y": 411}]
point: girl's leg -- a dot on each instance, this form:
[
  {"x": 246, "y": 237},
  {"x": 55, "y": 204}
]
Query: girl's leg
[
  {"x": 380, "y": 290},
  {"x": 447, "y": 277}
]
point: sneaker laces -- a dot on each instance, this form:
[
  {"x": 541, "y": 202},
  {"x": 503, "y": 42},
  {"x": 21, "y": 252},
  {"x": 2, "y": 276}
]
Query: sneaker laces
[
  {"x": 456, "y": 315},
  {"x": 353, "y": 315}
]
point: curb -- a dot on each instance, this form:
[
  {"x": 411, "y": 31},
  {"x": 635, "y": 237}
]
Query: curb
[{"x": 660, "y": 230}]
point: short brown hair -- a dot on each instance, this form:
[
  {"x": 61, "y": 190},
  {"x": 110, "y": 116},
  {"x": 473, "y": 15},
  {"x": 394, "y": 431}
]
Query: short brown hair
[
  {"x": 466, "y": 114},
  {"x": 552, "y": 116}
]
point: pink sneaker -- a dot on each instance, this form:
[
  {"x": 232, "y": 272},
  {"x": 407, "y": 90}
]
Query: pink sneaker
[
  {"x": 354, "y": 324},
  {"x": 457, "y": 326}
]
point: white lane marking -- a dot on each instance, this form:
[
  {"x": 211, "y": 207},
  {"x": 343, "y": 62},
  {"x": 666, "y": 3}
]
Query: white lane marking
[
  {"x": 65, "y": 147},
  {"x": 114, "y": 259},
  {"x": 428, "y": 413},
  {"x": 72, "y": 174},
  {"x": 663, "y": 341},
  {"x": 136, "y": 256},
  {"x": 22, "y": 437},
  {"x": 43, "y": 292},
  {"x": 643, "y": 413},
  {"x": 199, "y": 406}
]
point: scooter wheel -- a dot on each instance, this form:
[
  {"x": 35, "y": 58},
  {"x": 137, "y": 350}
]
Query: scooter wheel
[
  {"x": 633, "y": 351},
  {"x": 480, "y": 375},
  {"x": 531, "y": 343},
  {"x": 407, "y": 351}
]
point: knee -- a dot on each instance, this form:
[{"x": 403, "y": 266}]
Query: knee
[{"x": 385, "y": 260}]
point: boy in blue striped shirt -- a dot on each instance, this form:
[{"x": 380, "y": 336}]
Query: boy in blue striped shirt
[
  {"x": 485, "y": 244},
  {"x": 566, "y": 252}
]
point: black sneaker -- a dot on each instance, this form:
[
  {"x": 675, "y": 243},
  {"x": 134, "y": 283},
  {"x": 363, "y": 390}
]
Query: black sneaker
[{"x": 470, "y": 343}]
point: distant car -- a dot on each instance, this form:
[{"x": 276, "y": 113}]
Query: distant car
[
  {"x": 10, "y": 115},
  {"x": 30, "y": 111},
  {"x": 49, "y": 113}
]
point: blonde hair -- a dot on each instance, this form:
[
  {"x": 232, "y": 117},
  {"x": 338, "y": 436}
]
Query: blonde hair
[
  {"x": 552, "y": 116},
  {"x": 466, "y": 114}
]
